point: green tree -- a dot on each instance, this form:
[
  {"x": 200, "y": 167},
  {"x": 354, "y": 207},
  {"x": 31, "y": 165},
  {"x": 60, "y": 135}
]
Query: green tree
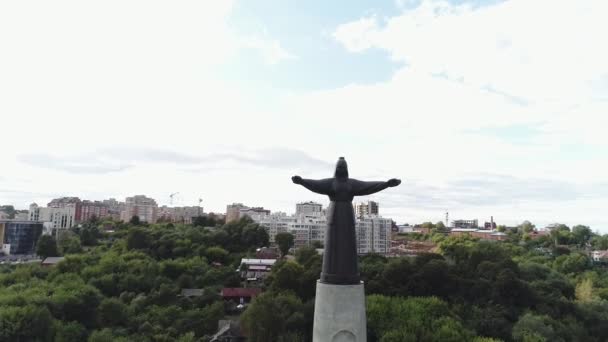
[
  {"x": 217, "y": 254},
  {"x": 112, "y": 312},
  {"x": 413, "y": 319},
  {"x": 572, "y": 263},
  {"x": 305, "y": 255},
  {"x": 70, "y": 332},
  {"x": 271, "y": 315},
  {"x": 584, "y": 291},
  {"x": 25, "y": 323},
  {"x": 600, "y": 242},
  {"x": 47, "y": 246},
  {"x": 581, "y": 234},
  {"x": 135, "y": 220},
  {"x": 526, "y": 227},
  {"x": 138, "y": 238},
  {"x": 531, "y": 327},
  {"x": 284, "y": 241},
  {"x": 68, "y": 243},
  {"x": 286, "y": 276}
]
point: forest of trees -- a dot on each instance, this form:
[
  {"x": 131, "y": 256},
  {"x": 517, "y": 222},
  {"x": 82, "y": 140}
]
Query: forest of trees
[{"x": 125, "y": 286}]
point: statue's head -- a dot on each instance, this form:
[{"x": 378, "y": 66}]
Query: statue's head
[{"x": 341, "y": 169}]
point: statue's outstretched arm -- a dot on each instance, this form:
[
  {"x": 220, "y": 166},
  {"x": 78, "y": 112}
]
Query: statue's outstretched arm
[
  {"x": 362, "y": 188},
  {"x": 321, "y": 186}
]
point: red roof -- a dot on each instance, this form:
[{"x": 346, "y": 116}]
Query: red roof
[{"x": 241, "y": 292}]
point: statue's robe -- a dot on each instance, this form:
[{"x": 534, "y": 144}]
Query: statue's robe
[{"x": 340, "y": 265}]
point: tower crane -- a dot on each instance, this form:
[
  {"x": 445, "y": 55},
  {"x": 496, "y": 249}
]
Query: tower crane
[{"x": 171, "y": 196}]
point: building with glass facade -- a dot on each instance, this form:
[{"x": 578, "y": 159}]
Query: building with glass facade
[{"x": 19, "y": 237}]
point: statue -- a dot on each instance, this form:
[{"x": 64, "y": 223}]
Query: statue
[{"x": 340, "y": 264}]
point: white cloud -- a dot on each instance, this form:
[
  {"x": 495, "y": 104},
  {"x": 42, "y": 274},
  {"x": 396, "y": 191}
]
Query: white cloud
[
  {"x": 270, "y": 49},
  {"x": 141, "y": 77},
  {"x": 542, "y": 50}
]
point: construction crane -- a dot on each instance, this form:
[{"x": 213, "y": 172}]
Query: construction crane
[{"x": 171, "y": 196}]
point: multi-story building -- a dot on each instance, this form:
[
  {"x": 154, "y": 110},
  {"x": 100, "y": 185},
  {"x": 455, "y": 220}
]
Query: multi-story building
[
  {"x": 373, "y": 234},
  {"x": 179, "y": 214},
  {"x": 465, "y": 224},
  {"x": 34, "y": 212},
  {"x": 308, "y": 226},
  {"x": 91, "y": 209},
  {"x": 233, "y": 211},
  {"x": 363, "y": 209},
  {"x": 115, "y": 208},
  {"x": 253, "y": 211},
  {"x": 58, "y": 217},
  {"x": 19, "y": 237},
  {"x": 141, "y": 206},
  {"x": 274, "y": 223},
  {"x": 61, "y": 218},
  {"x": 309, "y": 209},
  {"x": 66, "y": 202},
  {"x": 308, "y": 229}
]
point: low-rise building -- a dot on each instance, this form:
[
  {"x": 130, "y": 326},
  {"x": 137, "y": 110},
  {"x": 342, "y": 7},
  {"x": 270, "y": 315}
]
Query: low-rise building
[
  {"x": 241, "y": 295},
  {"x": 52, "y": 261},
  {"x": 465, "y": 224},
  {"x": 255, "y": 269},
  {"x": 599, "y": 256},
  {"x": 483, "y": 234},
  {"x": 19, "y": 237}
]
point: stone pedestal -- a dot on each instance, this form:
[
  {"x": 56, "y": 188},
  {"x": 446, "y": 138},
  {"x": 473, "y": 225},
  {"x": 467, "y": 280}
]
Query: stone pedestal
[{"x": 340, "y": 313}]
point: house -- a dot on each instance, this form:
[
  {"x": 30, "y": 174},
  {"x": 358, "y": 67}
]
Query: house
[
  {"x": 51, "y": 261},
  {"x": 241, "y": 295},
  {"x": 267, "y": 253},
  {"x": 192, "y": 292},
  {"x": 255, "y": 269},
  {"x": 599, "y": 256}
]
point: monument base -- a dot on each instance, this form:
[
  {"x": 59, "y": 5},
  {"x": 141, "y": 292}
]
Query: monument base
[{"x": 339, "y": 313}]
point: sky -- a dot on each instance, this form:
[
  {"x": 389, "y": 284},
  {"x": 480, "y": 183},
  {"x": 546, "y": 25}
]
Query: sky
[{"x": 482, "y": 108}]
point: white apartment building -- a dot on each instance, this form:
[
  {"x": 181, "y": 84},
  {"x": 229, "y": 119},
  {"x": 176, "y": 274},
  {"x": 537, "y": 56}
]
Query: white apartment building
[
  {"x": 141, "y": 206},
  {"x": 363, "y": 209},
  {"x": 59, "y": 218},
  {"x": 308, "y": 229},
  {"x": 373, "y": 235},
  {"x": 274, "y": 223},
  {"x": 309, "y": 209}
]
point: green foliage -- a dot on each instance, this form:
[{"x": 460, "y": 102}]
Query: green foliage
[
  {"x": 271, "y": 315},
  {"x": 135, "y": 220},
  {"x": 68, "y": 243},
  {"x": 112, "y": 312},
  {"x": 25, "y": 323},
  {"x": 126, "y": 286},
  {"x": 70, "y": 332},
  {"x": 532, "y": 327},
  {"x": 572, "y": 263},
  {"x": 284, "y": 241},
  {"x": 413, "y": 319},
  {"x": 46, "y": 246},
  {"x": 217, "y": 254}
]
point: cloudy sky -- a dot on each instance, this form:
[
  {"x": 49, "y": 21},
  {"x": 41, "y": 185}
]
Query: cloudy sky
[{"x": 481, "y": 107}]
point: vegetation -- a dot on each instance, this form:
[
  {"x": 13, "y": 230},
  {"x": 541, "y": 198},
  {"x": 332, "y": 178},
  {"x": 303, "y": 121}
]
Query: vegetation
[{"x": 126, "y": 286}]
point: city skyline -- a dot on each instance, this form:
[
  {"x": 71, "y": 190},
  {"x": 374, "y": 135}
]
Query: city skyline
[
  {"x": 477, "y": 107},
  {"x": 241, "y": 209}
]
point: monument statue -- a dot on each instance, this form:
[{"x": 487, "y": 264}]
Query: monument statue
[{"x": 340, "y": 299}]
